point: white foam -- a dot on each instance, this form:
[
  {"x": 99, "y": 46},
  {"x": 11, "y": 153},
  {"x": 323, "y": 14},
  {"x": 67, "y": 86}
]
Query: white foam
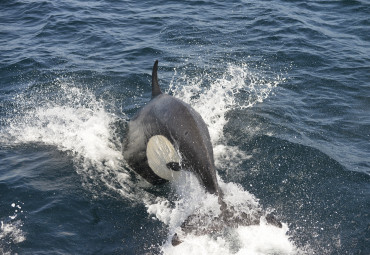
[
  {"x": 254, "y": 239},
  {"x": 75, "y": 121},
  {"x": 197, "y": 245},
  {"x": 228, "y": 157},
  {"x": 11, "y": 229},
  {"x": 69, "y": 125},
  {"x": 239, "y": 87},
  {"x": 264, "y": 239},
  {"x": 191, "y": 196},
  {"x": 222, "y": 94},
  {"x": 213, "y": 103}
]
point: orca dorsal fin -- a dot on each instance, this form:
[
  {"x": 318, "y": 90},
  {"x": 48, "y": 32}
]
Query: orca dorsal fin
[{"x": 156, "y": 90}]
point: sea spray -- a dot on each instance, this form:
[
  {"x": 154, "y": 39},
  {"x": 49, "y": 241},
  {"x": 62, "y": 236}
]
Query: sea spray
[
  {"x": 213, "y": 102},
  {"x": 238, "y": 88},
  {"x": 11, "y": 228},
  {"x": 74, "y": 120},
  {"x": 254, "y": 239}
]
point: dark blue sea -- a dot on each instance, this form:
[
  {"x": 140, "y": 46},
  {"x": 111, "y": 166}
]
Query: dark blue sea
[{"x": 284, "y": 87}]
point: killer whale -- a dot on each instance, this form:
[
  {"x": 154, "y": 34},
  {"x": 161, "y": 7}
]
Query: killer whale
[{"x": 166, "y": 136}]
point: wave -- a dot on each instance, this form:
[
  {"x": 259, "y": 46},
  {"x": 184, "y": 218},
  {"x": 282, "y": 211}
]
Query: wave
[{"x": 71, "y": 118}]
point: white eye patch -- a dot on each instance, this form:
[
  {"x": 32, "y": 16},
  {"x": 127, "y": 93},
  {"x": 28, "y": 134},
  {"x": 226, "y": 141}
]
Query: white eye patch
[{"x": 161, "y": 154}]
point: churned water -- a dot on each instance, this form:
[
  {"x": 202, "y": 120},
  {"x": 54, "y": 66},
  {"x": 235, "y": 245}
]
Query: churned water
[{"x": 284, "y": 87}]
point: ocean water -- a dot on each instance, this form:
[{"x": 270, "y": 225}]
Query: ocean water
[{"x": 284, "y": 87}]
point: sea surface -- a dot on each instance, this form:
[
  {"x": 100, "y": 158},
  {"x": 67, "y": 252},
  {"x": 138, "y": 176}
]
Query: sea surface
[{"x": 284, "y": 87}]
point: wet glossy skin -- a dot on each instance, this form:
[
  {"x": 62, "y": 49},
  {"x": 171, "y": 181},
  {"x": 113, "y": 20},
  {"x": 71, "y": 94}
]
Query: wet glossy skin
[{"x": 183, "y": 127}]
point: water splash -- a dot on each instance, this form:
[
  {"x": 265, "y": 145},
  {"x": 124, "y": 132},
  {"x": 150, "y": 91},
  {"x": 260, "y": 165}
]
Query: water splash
[
  {"x": 11, "y": 229},
  {"x": 238, "y": 88},
  {"x": 73, "y": 120},
  {"x": 254, "y": 239}
]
